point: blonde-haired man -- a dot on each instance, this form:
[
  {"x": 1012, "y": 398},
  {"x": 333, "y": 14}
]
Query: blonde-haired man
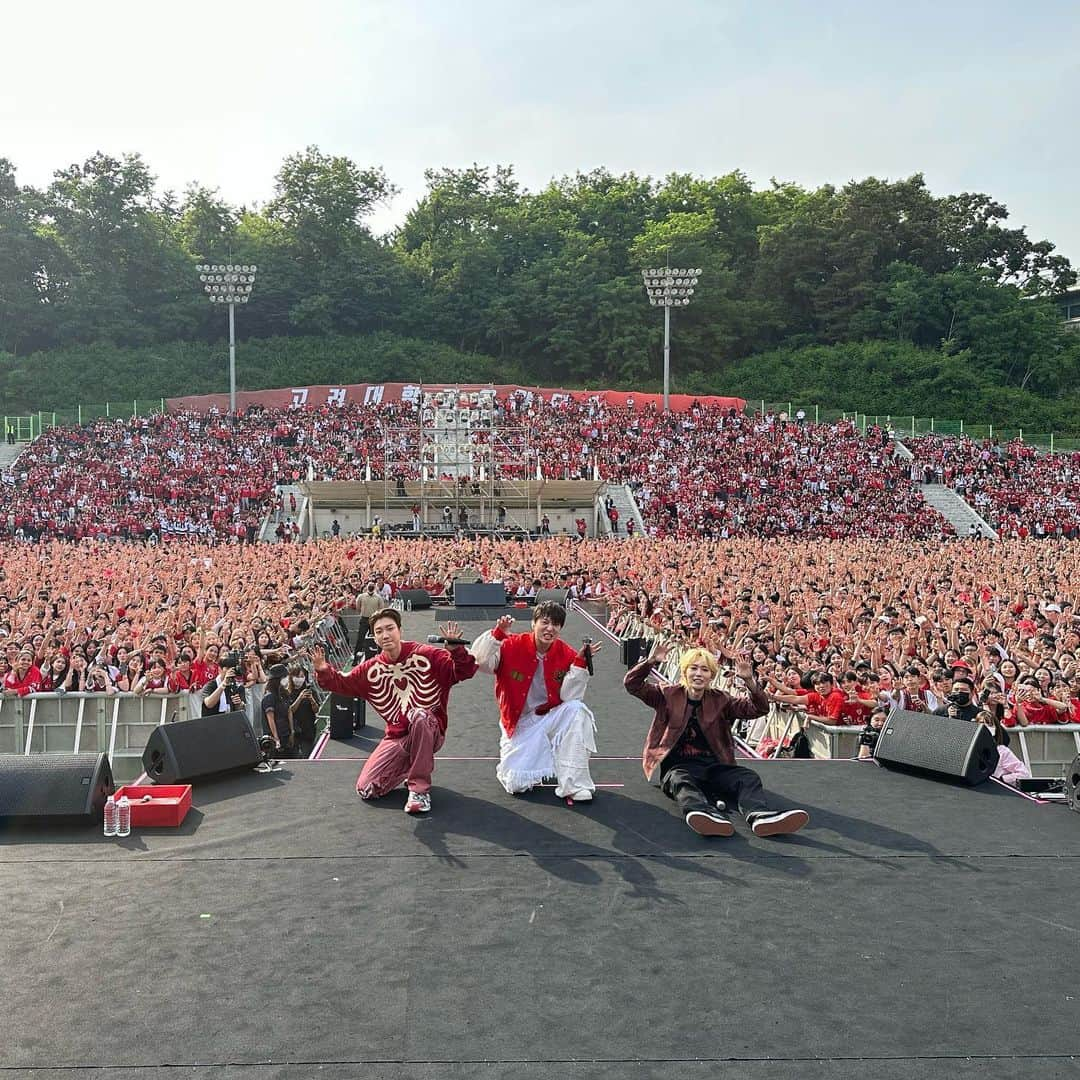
[{"x": 690, "y": 751}]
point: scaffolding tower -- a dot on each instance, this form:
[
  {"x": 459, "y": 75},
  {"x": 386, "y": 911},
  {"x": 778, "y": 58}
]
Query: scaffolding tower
[{"x": 458, "y": 462}]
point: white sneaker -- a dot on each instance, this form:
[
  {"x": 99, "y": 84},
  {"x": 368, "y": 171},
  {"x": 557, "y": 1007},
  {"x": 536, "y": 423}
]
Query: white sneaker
[{"x": 418, "y": 803}]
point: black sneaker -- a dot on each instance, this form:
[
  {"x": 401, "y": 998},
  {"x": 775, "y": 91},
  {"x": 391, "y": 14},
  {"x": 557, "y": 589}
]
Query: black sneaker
[
  {"x": 776, "y": 822},
  {"x": 709, "y": 823}
]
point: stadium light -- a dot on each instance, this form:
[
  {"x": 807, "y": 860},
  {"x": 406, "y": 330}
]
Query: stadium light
[
  {"x": 228, "y": 283},
  {"x": 669, "y": 288}
]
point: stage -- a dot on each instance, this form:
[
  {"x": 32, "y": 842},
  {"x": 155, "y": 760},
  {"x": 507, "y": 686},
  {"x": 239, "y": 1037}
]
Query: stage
[{"x": 913, "y": 929}]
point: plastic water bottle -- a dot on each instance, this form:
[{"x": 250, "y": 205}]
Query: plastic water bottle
[
  {"x": 124, "y": 824},
  {"x": 112, "y": 816}
]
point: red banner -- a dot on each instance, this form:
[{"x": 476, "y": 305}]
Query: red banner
[{"x": 299, "y": 397}]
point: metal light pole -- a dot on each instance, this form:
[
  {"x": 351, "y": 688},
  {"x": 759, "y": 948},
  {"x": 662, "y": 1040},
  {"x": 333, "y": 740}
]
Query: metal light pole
[
  {"x": 670, "y": 288},
  {"x": 228, "y": 284}
]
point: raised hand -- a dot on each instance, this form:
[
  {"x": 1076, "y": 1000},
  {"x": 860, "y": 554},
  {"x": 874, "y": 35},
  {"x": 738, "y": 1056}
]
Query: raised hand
[
  {"x": 660, "y": 652},
  {"x": 505, "y": 623},
  {"x": 318, "y": 658},
  {"x": 744, "y": 669},
  {"x": 450, "y": 630}
]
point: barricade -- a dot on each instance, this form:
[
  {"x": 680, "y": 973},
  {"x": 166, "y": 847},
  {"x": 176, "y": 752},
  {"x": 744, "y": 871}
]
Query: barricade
[
  {"x": 116, "y": 724},
  {"x": 1046, "y": 749},
  {"x": 833, "y": 741}
]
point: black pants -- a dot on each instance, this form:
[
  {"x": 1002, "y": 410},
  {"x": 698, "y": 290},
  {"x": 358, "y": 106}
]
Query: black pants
[
  {"x": 363, "y": 632},
  {"x": 697, "y": 785}
]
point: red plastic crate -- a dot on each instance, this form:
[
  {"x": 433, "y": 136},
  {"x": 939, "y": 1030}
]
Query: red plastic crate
[{"x": 166, "y": 807}]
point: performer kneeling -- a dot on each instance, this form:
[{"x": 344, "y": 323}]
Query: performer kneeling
[
  {"x": 408, "y": 684},
  {"x": 547, "y": 729},
  {"x": 690, "y": 751}
]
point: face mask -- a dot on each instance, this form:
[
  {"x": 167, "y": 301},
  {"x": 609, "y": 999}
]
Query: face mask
[
  {"x": 962, "y": 697},
  {"x": 298, "y": 680}
]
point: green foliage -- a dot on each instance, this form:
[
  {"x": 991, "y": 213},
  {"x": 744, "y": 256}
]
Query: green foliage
[
  {"x": 64, "y": 378},
  {"x": 869, "y": 296}
]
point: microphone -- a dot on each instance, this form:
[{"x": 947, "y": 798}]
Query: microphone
[
  {"x": 586, "y": 651},
  {"x": 435, "y": 639}
]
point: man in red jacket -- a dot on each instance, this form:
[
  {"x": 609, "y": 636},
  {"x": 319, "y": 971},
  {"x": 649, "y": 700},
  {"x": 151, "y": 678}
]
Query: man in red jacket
[
  {"x": 540, "y": 681},
  {"x": 690, "y": 752},
  {"x": 408, "y": 684}
]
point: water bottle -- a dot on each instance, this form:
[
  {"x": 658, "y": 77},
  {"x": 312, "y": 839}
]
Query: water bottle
[
  {"x": 124, "y": 808},
  {"x": 112, "y": 816}
]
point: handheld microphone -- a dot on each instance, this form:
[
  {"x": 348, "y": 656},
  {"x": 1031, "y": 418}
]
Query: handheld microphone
[
  {"x": 435, "y": 639},
  {"x": 586, "y": 651}
]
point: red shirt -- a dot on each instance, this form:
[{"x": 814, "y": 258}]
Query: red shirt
[
  {"x": 830, "y": 707},
  {"x": 30, "y": 683}
]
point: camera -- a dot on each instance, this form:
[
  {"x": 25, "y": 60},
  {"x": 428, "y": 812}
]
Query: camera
[
  {"x": 869, "y": 736},
  {"x": 231, "y": 660}
]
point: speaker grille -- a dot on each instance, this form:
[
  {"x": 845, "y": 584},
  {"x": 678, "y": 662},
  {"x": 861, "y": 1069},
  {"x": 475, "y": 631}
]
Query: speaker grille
[
  {"x": 64, "y": 786},
  {"x": 204, "y": 746},
  {"x": 939, "y": 744}
]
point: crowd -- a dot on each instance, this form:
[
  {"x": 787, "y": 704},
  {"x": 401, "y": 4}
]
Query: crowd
[
  {"x": 707, "y": 472},
  {"x": 1019, "y": 491},
  {"x": 839, "y": 623}
]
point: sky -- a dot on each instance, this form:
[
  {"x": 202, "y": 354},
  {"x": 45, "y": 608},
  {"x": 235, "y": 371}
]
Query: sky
[{"x": 977, "y": 96}]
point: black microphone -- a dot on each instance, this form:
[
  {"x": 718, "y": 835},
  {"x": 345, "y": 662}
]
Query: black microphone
[
  {"x": 434, "y": 639},
  {"x": 586, "y": 651}
]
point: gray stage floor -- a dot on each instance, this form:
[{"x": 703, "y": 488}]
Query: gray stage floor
[{"x": 913, "y": 929}]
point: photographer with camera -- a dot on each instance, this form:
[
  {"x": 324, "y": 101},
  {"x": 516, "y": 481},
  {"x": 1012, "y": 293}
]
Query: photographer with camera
[
  {"x": 225, "y": 692},
  {"x": 868, "y": 737}
]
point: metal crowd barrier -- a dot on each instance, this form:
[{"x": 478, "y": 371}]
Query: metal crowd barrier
[
  {"x": 1046, "y": 749},
  {"x": 120, "y": 724},
  {"x": 116, "y": 724}
]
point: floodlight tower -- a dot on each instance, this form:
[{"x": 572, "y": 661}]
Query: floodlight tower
[
  {"x": 228, "y": 284},
  {"x": 670, "y": 288}
]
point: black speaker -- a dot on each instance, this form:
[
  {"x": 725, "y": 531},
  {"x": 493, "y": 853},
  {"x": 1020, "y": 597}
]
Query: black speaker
[
  {"x": 948, "y": 748},
  {"x": 546, "y": 596},
  {"x": 346, "y": 713},
  {"x": 54, "y": 788},
  {"x": 633, "y": 650},
  {"x": 417, "y": 599},
  {"x": 1071, "y": 783},
  {"x": 192, "y": 749},
  {"x": 479, "y": 594}
]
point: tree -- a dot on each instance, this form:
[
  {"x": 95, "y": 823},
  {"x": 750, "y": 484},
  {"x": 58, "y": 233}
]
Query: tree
[{"x": 33, "y": 271}]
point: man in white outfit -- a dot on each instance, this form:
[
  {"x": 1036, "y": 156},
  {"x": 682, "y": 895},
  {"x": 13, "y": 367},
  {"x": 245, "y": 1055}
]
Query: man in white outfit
[{"x": 540, "y": 681}]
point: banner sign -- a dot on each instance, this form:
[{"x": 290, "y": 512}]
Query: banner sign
[{"x": 310, "y": 397}]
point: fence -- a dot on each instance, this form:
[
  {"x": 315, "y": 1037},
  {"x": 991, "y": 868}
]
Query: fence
[
  {"x": 30, "y": 427},
  {"x": 911, "y": 426},
  {"x": 115, "y": 724},
  {"x": 119, "y": 724}
]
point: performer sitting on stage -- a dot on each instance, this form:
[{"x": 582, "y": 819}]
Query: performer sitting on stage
[
  {"x": 690, "y": 752},
  {"x": 408, "y": 684},
  {"x": 547, "y": 729}
]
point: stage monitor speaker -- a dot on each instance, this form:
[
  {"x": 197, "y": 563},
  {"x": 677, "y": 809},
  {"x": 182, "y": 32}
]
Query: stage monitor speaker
[
  {"x": 547, "y": 596},
  {"x": 633, "y": 650},
  {"x": 1071, "y": 783},
  {"x": 346, "y": 714},
  {"x": 948, "y": 748},
  {"x": 417, "y": 599},
  {"x": 193, "y": 749},
  {"x": 47, "y": 789},
  {"x": 479, "y": 594}
]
